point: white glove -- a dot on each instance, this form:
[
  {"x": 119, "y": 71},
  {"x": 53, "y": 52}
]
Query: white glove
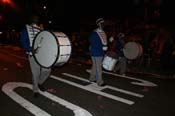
[
  {"x": 29, "y": 53},
  {"x": 111, "y": 39},
  {"x": 105, "y": 48}
]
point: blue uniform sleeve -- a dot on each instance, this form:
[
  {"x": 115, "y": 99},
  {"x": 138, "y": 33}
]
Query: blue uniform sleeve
[
  {"x": 96, "y": 47},
  {"x": 24, "y": 40},
  {"x": 94, "y": 40}
]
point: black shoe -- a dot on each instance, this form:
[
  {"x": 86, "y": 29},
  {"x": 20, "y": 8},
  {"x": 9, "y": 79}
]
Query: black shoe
[
  {"x": 36, "y": 94},
  {"x": 102, "y": 85},
  {"x": 41, "y": 87}
]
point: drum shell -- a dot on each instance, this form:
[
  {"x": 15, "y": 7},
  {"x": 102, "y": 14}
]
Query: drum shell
[
  {"x": 109, "y": 61},
  {"x": 64, "y": 48}
]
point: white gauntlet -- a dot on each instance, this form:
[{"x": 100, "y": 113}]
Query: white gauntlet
[{"x": 105, "y": 48}]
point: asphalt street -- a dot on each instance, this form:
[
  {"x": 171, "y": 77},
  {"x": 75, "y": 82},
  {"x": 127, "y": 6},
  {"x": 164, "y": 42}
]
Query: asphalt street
[{"x": 69, "y": 93}]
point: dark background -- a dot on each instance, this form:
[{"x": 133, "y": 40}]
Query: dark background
[{"x": 67, "y": 14}]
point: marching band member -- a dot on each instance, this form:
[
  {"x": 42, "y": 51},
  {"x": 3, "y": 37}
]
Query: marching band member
[
  {"x": 98, "y": 46},
  {"x": 121, "y": 66},
  {"x": 39, "y": 74}
]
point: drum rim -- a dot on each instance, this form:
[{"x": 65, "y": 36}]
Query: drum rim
[{"x": 33, "y": 48}]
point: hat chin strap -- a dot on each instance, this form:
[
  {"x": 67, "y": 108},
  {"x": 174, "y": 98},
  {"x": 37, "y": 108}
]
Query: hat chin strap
[{"x": 100, "y": 26}]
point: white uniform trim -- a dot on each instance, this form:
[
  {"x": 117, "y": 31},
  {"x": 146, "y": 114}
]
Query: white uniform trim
[
  {"x": 103, "y": 37},
  {"x": 32, "y": 30}
]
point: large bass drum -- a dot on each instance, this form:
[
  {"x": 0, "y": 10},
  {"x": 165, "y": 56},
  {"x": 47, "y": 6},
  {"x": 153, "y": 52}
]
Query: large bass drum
[
  {"x": 132, "y": 50},
  {"x": 53, "y": 48}
]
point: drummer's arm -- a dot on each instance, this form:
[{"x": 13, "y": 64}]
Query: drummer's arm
[{"x": 24, "y": 40}]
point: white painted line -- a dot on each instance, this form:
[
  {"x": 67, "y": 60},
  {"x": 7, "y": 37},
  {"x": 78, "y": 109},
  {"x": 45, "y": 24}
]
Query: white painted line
[
  {"x": 107, "y": 86},
  {"x": 126, "y": 92},
  {"x": 141, "y": 83},
  {"x": 76, "y": 109},
  {"x": 8, "y": 89},
  {"x": 10, "y": 86},
  {"x": 75, "y": 77},
  {"x": 129, "y": 102}
]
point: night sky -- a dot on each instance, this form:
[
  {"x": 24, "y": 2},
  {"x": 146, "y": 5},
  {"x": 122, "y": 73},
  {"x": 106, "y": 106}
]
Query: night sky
[{"x": 66, "y": 14}]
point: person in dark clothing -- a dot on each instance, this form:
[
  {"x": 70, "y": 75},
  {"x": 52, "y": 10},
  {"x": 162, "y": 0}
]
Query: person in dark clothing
[
  {"x": 122, "y": 60},
  {"x": 166, "y": 56}
]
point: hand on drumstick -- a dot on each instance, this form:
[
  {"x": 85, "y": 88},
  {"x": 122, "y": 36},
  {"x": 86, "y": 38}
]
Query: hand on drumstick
[{"x": 35, "y": 51}]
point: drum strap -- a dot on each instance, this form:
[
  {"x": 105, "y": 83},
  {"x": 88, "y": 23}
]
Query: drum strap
[
  {"x": 102, "y": 36},
  {"x": 32, "y": 31}
]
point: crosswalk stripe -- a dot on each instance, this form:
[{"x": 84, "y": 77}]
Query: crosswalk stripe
[
  {"x": 129, "y": 102},
  {"x": 107, "y": 86},
  {"x": 10, "y": 86}
]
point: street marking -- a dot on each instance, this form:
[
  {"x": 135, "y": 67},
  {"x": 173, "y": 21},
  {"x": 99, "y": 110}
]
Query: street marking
[
  {"x": 105, "y": 87},
  {"x": 10, "y": 86},
  {"x": 8, "y": 89},
  {"x": 141, "y": 83},
  {"x": 129, "y": 102}
]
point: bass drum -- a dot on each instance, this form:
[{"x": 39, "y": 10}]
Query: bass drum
[
  {"x": 132, "y": 50},
  {"x": 53, "y": 48}
]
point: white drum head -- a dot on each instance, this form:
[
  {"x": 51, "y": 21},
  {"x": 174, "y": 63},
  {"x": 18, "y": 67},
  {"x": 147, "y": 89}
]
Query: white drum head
[
  {"x": 132, "y": 50},
  {"x": 47, "y": 53}
]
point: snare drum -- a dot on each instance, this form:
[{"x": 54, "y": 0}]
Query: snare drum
[
  {"x": 109, "y": 61},
  {"x": 54, "y": 48},
  {"x": 132, "y": 50}
]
